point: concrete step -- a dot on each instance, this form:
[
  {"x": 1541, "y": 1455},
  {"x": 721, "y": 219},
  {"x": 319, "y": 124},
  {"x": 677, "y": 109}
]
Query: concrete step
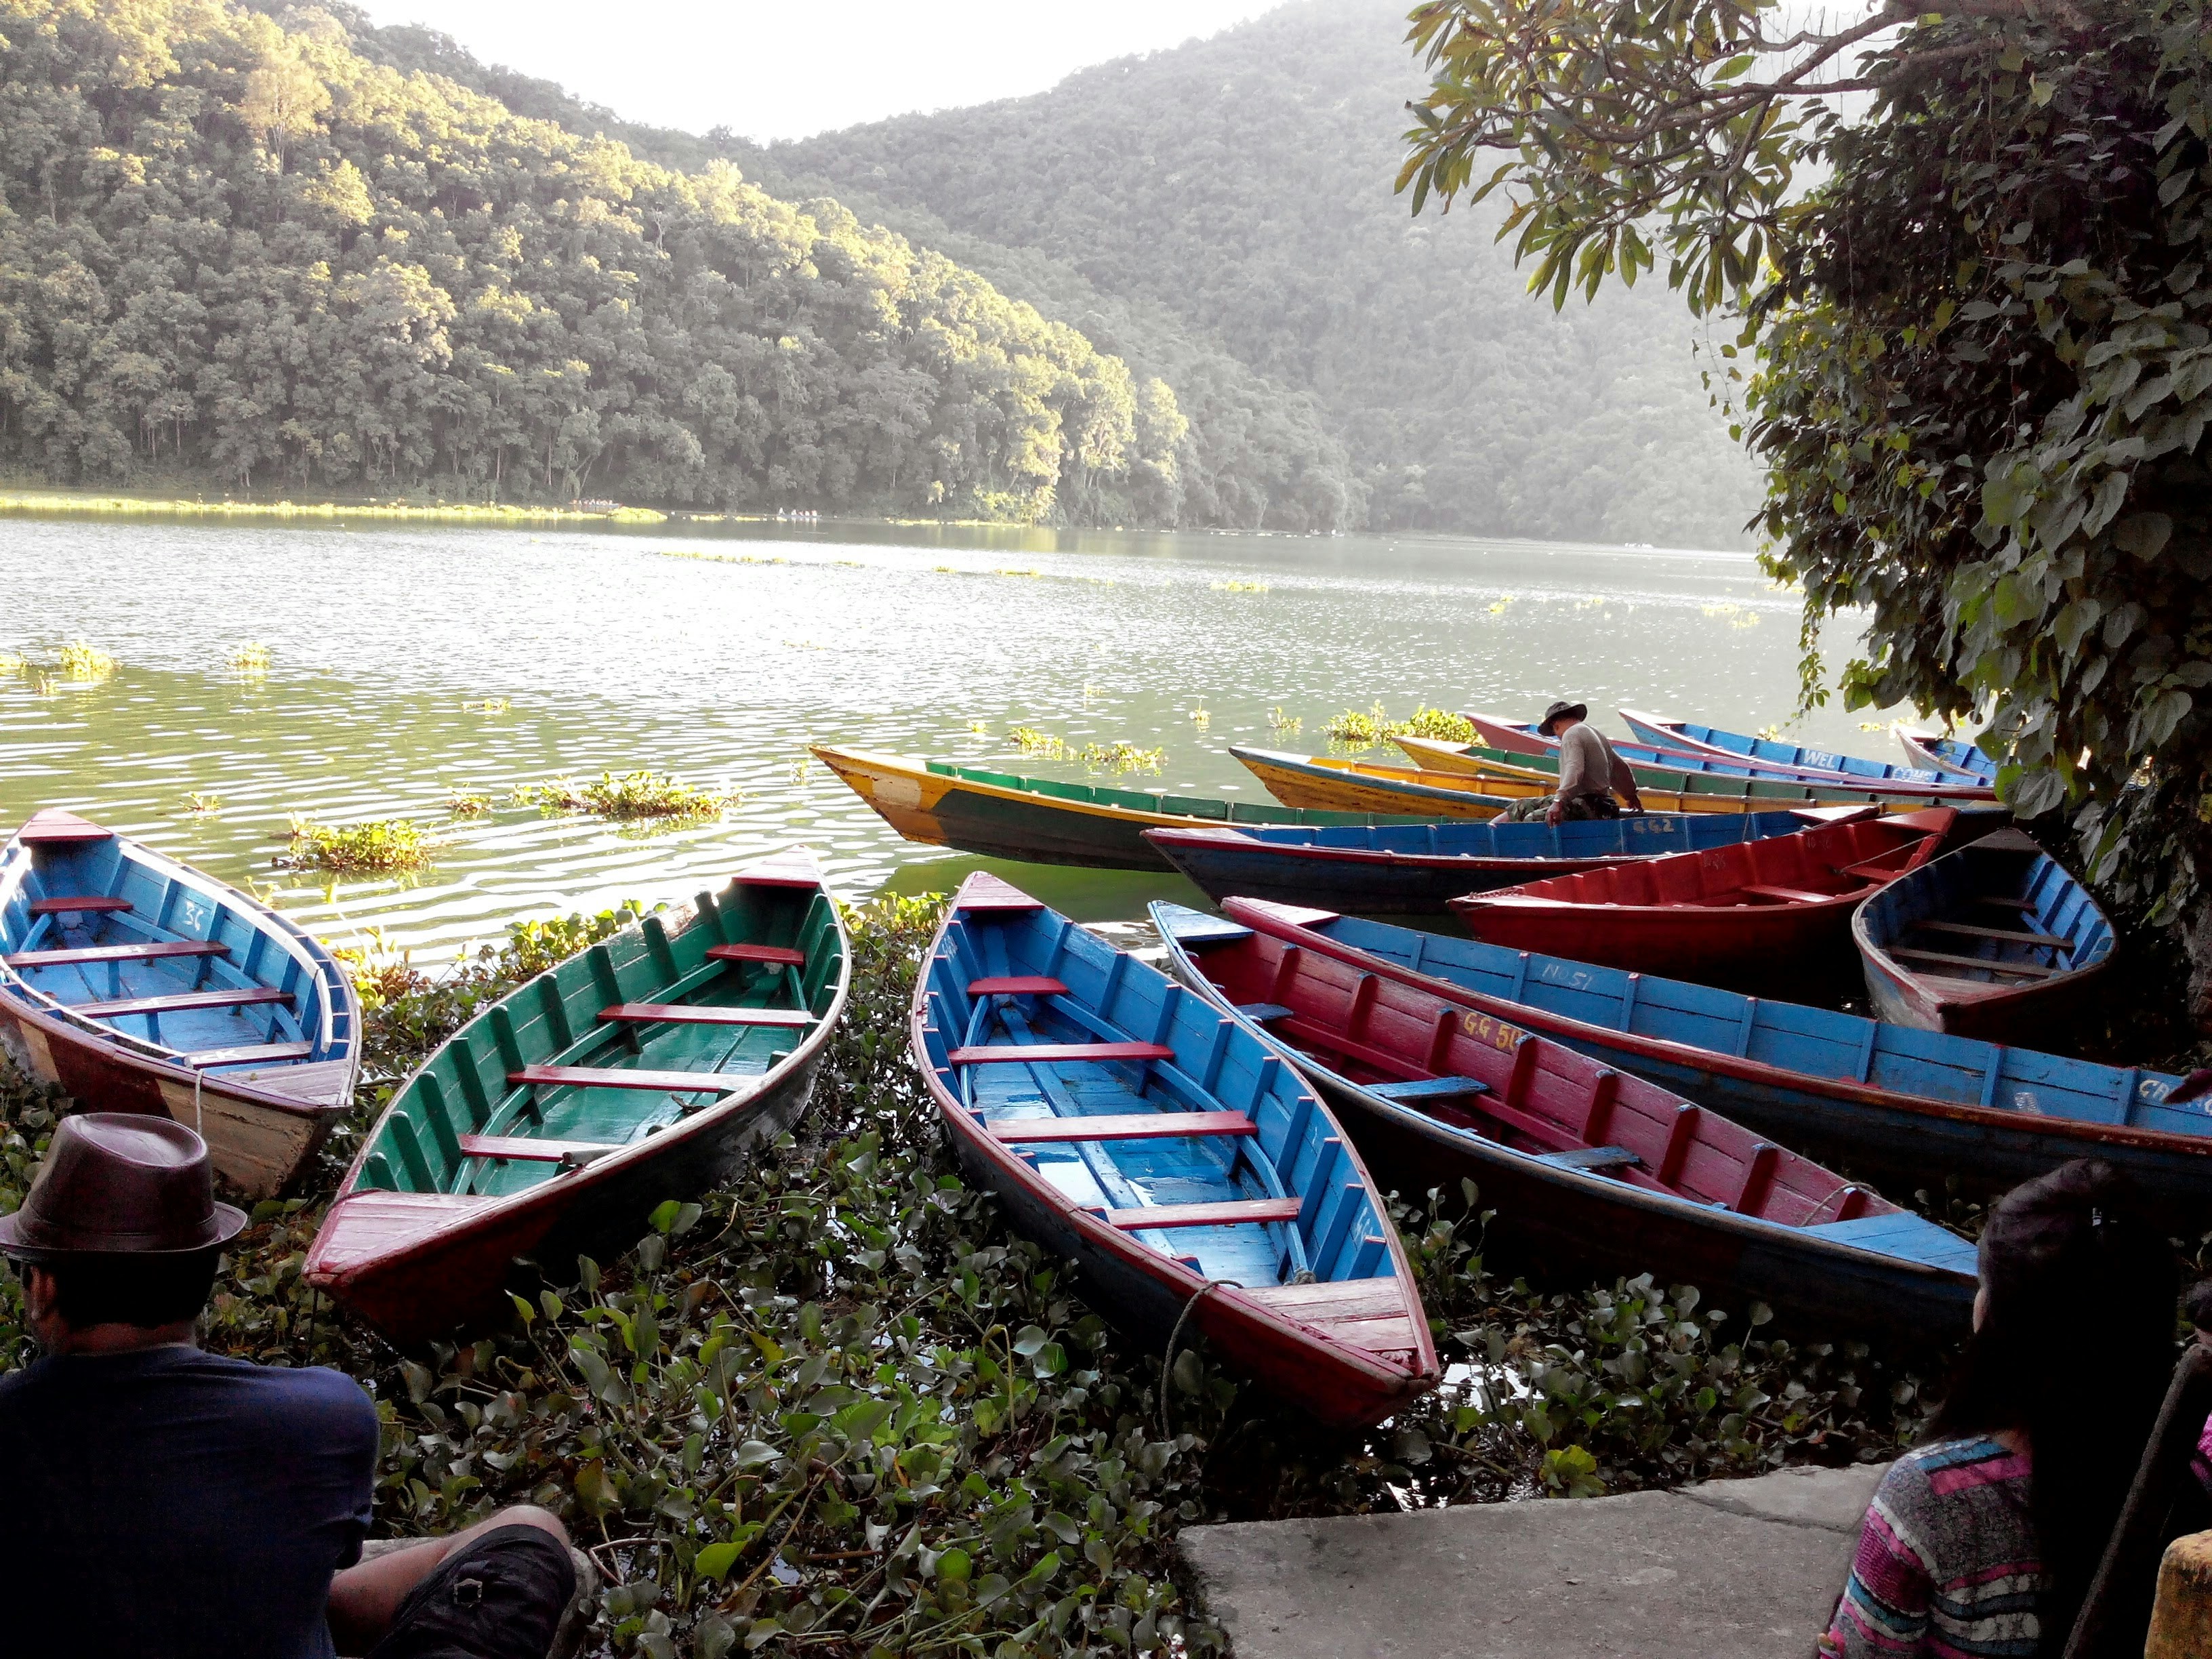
[{"x": 1729, "y": 1570}]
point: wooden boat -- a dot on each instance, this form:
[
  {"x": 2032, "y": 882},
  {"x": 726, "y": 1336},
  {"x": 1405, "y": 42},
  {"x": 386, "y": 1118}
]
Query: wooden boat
[
  {"x": 1690, "y": 774},
  {"x": 1043, "y": 821},
  {"x": 1512, "y": 736},
  {"x": 1178, "y": 1160},
  {"x": 1769, "y": 752},
  {"x": 1995, "y": 941},
  {"x": 552, "y": 1123},
  {"x": 1583, "y": 1164},
  {"x": 140, "y": 985},
  {"x": 1415, "y": 869},
  {"x": 1758, "y": 915},
  {"x": 1891, "y": 1102},
  {"x": 1931, "y": 748},
  {"x": 1678, "y": 757},
  {"x": 1324, "y": 782}
]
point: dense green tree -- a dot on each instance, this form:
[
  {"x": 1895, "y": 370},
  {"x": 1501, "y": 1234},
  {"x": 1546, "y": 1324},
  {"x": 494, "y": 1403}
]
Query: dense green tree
[
  {"x": 1240, "y": 187},
  {"x": 1984, "y": 341},
  {"x": 232, "y": 244}
]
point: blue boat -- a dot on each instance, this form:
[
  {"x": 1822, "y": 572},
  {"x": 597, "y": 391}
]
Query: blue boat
[
  {"x": 1928, "y": 749},
  {"x": 1176, "y": 1159},
  {"x": 138, "y": 983},
  {"x": 1896, "y": 1103},
  {"x": 1769, "y": 754},
  {"x": 1415, "y": 869},
  {"x": 1579, "y": 1166},
  {"x": 1996, "y": 940}
]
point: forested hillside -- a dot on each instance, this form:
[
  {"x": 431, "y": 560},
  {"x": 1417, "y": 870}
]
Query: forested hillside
[
  {"x": 1243, "y": 184},
  {"x": 263, "y": 248}
]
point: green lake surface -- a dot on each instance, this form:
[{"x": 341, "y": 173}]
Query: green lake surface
[{"x": 720, "y": 653}]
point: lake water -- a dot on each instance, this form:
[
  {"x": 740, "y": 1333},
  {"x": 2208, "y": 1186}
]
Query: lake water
[{"x": 719, "y": 652}]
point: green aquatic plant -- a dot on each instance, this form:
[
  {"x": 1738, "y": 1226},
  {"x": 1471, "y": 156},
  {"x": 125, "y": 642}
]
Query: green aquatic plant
[
  {"x": 1201, "y": 718},
  {"x": 631, "y": 795},
  {"x": 488, "y": 706},
  {"x": 380, "y": 847},
  {"x": 197, "y": 805},
  {"x": 1240, "y": 587},
  {"x": 1283, "y": 725},
  {"x": 80, "y": 659},
  {"x": 1041, "y": 744},
  {"x": 249, "y": 661},
  {"x": 10, "y": 664},
  {"x": 1355, "y": 729},
  {"x": 1121, "y": 756},
  {"x": 467, "y": 803}
]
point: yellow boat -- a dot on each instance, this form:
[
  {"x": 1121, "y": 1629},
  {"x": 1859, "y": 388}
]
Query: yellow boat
[{"x": 1351, "y": 786}]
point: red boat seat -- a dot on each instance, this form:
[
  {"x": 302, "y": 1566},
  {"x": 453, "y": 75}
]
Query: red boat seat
[
  {"x": 682, "y": 1013},
  {"x": 522, "y": 1149},
  {"x": 1137, "y": 1126},
  {"x": 783, "y": 955},
  {"x": 148, "y": 953},
  {"x": 1788, "y": 895},
  {"x": 243, "y": 997},
  {"x": 1018, "y": 985},
  {"x": 71, "y": 904},
  {"x": 1233, "y": 1213},
  {"x": 616, "y": 1077},
  {"x": 200, "y": 1059},
  {"x": 1036, "y": 1053}
]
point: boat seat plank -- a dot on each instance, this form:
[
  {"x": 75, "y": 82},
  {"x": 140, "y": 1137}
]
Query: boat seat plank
[
  {"x": 684, "y": 1013},
  {"x": 2004, "y": 903},
  {"x": 1429, "y": 1088},
  {"x": 55, "y": 828},
  {"x": 616, "y": 1077},
  {"x": 1948, "y": 959},
  {"x": 1788, "y": 895},
  {"x": 1591, "y": 1157},
  {"x": 1327, "y": 1300},
  {"x": 1384, "y": 1335},
  {"x": 522, "y": 1149},
  {"x": 782, "y": 954},
  {"x": 1870, "y": 871},
  {"x": 241, "y": 997},
  {"x": 1136, "y": 1125},
  {"x": 154, "y": 951},
  {"x": 2009, "y": 936},
  {"x": 989, "y": 1054},
  {"x": 1262, "y": 1012},
  {"x": 72, "y": 904},
  {"x": 1018, "y": 985},
  {"x": 1233, "y": 1213},
  {"x": 1194, "y": 927},
  {"x": 246, "y": 1054}
]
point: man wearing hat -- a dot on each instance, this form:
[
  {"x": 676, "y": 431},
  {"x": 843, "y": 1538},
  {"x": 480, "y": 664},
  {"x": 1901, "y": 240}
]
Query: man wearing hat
[
  {"x": 1590, "y": 774},
  {"x": 165, "y": 1502}
]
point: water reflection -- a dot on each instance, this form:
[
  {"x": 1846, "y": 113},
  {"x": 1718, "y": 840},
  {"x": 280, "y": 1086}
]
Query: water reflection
[{"x": 718, "y": 652}]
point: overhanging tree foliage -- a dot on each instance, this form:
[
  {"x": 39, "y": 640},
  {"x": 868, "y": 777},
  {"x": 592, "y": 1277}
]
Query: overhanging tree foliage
[{"x": 1966, "y": 241}]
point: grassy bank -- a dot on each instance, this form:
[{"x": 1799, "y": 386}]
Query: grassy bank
[
  {"x": 838, "y": 1407},
  {"x": 75, "y": 503}
]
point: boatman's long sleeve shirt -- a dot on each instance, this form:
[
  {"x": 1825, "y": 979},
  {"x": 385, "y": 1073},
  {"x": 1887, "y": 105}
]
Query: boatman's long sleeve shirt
[{"x": 1588, "y": 765}]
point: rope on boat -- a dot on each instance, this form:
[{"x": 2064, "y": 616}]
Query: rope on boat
[
  {"x": 197, "y": 1075},
  {"x": 1167, "y": 1360}
]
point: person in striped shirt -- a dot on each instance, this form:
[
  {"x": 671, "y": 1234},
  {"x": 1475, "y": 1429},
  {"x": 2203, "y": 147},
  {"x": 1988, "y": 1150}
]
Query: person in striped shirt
[{"x": 1981, "y": 1543}]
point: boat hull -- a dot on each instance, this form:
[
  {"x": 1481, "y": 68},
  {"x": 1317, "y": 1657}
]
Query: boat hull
[
  {"x": 1794, "y": 760},
  {"x": 1697, "y": 778},
  {"x": 2012, "y": 1132},
  {"x": 1000, "y": 822}
]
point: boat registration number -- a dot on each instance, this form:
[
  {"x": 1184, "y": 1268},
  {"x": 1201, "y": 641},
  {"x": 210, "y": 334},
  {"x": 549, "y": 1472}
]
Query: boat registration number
[{"x": 1495, "y": 1032}]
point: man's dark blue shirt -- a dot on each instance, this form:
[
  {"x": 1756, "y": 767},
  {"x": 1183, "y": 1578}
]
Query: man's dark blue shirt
[{"x": 172, "y": 1502}]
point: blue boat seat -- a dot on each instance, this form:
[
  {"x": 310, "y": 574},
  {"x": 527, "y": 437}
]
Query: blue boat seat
[
  {"x": 1591, "y": 1157},
  {"x": 1429, "y": 1088},
  {"x": 1264, "y": 1012}
]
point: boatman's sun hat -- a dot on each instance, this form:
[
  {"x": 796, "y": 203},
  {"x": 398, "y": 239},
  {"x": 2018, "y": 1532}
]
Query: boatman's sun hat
[
  {"x": 120, "y": 1183},
  {"x": 1559, "y": 711}
]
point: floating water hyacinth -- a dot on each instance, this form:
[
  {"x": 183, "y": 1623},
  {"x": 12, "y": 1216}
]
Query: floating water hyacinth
[
  {"x": 1240, "y": 587},
  {"x": 80, "y": 660},
  {"x": 196, "y": 805},
  {"x": 380, "y": 847},
  {"x": 1284, "y": 725},
  {"x": 632, "y": 795},
  {"x": 249, "y": 661},
  {"x": 1355, "y": 729},
  {"x": 467, "y": 803}
]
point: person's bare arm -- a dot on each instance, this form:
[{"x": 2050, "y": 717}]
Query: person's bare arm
[{"x": 366, "y": 1597}]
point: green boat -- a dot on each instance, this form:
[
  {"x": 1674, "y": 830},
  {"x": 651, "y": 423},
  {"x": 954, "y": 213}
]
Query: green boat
[{"x": 1041, "y": 821}]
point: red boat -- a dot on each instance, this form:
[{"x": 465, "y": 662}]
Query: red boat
[
  {"x": 1755, "y": 916},
  {"x": 1581, "y": 1163}
]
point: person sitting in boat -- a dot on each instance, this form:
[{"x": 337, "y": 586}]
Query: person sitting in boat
[
  {"x": 1590, "y": 774},
  {"x": 1985, "y": 1538},
  {"x": 168, "y": 1501}
]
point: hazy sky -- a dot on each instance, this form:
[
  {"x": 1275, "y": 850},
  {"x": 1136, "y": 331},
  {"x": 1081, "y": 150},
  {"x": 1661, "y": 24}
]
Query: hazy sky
[{"x": 782, "y": 69}]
